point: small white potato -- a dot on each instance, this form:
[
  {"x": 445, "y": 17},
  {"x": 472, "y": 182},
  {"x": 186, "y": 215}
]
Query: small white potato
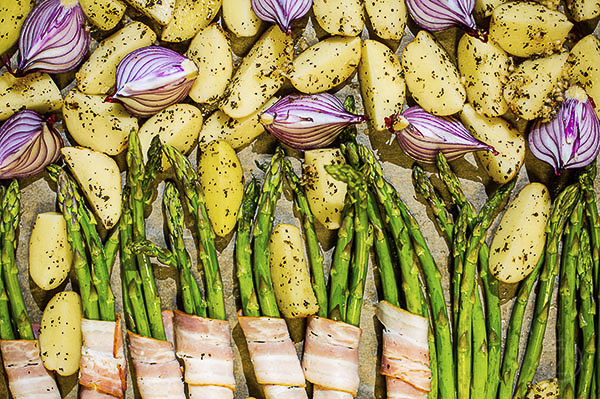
[
  {"x": 222, "y": 180},
  {"x": 381, "y": 84},
  {"x": 582, "y": 10},
  {"x": 105, "y": 14},
  {"x": 339, "y": 17},
  {"x": 160, "y": 11},
  {"x": 584, "y": 67},
  {"x": 240, "y": 19},
  {"x": 12, "y": 15},
  {"x": 50, "y": 255},
  {"x": 326, "y": 64},
  {"x": 60, "y": 333},
  {"x": 36, "y": 91},
  {"x": 546, "y": 389},
  {"x": 99, "y": 178},
  {"x": 189, "y": 16},
  {"x": 519, "y": 239},
  {"x": 211, "y": 52},
  {"x": 484, "y": 8},
  {"x": 289, "y": 273},
  {"x": 97, "y": 74},
  {"x": 431, "y": 77},
  {"x": 388, "y": 18},
  {"x": 505, "y": 138},
  {"x": 325, "y": 195}
]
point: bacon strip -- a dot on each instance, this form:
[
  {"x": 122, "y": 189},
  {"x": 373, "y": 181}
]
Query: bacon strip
[
  {"x": 284, "y": 392},
  {"x": 103, "y": 366},
  {"x": 323, "y": 393},
  {"x": 398, "y": 389},
  {"x": 209, "y": 392},
  {"x": 331, "y": 355},
  {"x": 405, "y": 347},
  {"x": 27, "y": 377}
]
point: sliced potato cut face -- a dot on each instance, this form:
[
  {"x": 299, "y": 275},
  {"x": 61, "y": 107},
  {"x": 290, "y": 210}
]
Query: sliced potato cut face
[
  {"x": 484, "y": 8},
  {"x": 189, "y": 17},
  {"x": 12, "y": 15},
  {"x": 36, "y": 92},
  {"x": 105, "y": 14},
  {"x": 339, "y": 17},
  {"x": 160, "y": 12},
  {"x": 388, "y": 18},
  {"x": 240, "y": 19},
  {"x": 584, "y": 67}
]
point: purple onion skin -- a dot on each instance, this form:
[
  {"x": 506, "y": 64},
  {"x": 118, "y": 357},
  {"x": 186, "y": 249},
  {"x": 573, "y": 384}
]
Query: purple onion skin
[
  {"x": 307, "y": 122},
  {"x": 54, "y": 38},
  {"x": 28, "y": 143},
  {"x": 572, "y": 139},
  {"x": 281, "y": 12},
  {"x": 428, "y": 134},
  {"x": 436, "y": 15}
]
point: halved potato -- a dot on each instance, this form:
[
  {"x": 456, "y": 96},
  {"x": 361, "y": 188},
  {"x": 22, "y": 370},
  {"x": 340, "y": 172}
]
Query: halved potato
[
  {"x": 105, "y": 14},
  {"x": 584, "y": 67},
  {"x": 189, "y": 16},
  {"x": 161, "y": 11},
  {"x": 582, "y": 10},
  {"x": 36, "y": 91},
  {"x": 484, "y": 8},
  {"x": 388, "y": 18},
  {"x": 339, "y": 17},
  {"x": 12, "y": 15},
  {"x": 240, "y": 19}
]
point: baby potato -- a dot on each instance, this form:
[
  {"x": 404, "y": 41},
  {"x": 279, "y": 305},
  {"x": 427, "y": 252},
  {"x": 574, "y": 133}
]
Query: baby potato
[
  {"x": 189, "y": 16},
  {"x": 289, "y": 273},
  {"x": 519, "y": 239},
  {"x": 431, "y": 77},
  {"x": 339, "y": 17},
  {"x": 160, "y": 12},
  {"x": 240, "y": 19},
  {"x": 506, "y": 140},
  {"x": 388, "y": 18},
  {"x": 12, "y": 15},
  {"x": 105, "y": 14},
  {"x": 582, "y": 10},
  {"x": 484, "y": 8},
  {"x": 60, "y": 333},
  {"x": 584, "y": 67},
  {"x": 50, "y": 255},
  {"x": 36, "y": 91},
  {"x": 222, "y": 180}
]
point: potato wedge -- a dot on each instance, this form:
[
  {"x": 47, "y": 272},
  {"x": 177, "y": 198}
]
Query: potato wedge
[
  {"x": 260, "y": 75},
  {"x": 325, "y": 194},
  {"x": 546, "y": 389},
  {"x": 60, "y": 333},
  {"x": 289, "y": 273},
  {"x": 12, "y": 15},
  {"x": 505, "y": 138},
  {"x": 99, "y": 178},
  {"x": 431, "y": 77},
  {"x": 160, "y": 11},
  {"x": 584, "y": 67},
  {"x": 189, "y": 16},
  {"x": 36, "y": 91},
  {"x": 50, "y": 255},
  {"x": 326, "y": 64},
  {"x": 339, "y": 17},
  {"x": 582, "y": 10},
  {"x": 381, "y": 84},
  {"x": 240, "y": 19},
  {"x": 97, "y": 74},
  {"x": 211, "y": 52},
  {"x": 93, "y": 123},
  {"x": 519, "y": 239},
  {"x": 222, "y": 180},
  {"x": 388, "y": 18},
  {"x": 484, "y": 8},
  {"x": 105, "y": 14}
]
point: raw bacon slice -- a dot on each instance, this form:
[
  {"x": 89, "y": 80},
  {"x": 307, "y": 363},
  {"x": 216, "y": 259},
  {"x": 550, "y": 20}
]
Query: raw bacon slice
[
  {"x": 398, "y": 389},
  {"x": 405, "y": 346},
  {"x": 284, "y": 392},
  {"x": 103, "y": 366},
  {"x": 27, "y": 377},
  {"x": 87, "y": 393},
  {"x": 209, "y": 392},
  {"x": 323, "y": 393},
  {"x": 204, "y": 345},
  {"x": 331, "y": 355}
]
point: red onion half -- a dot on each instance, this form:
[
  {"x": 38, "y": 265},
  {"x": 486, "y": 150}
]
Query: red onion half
[
  {"x": 428, "y": 134},
  {"x": 54, "y": 37},
  {"x": 572, "y": 139},
  {"x": 151, "y": 78},
  {"x": 281, "y": 12},
  {"x": 28, "y": 143},
  {"x": 436, "y": 15},
  {"x": 306, "y": 122}
]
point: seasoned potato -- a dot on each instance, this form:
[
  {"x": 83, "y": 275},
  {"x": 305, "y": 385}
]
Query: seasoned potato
[
  {"x": 189, "y": 17},
  {"x": 159, "y": 11},
  {"x": 506, "y": 140},
  {"x": 240, "y": 19},
  {"x": 177, "y": 125},
  {"x": 326, "y": 64},
  {"x": 105, "y": 14},
  {"x": 532, "y": 88},
  {"x": 36, "y": 91},
  {"x": 339, "y": 17},
  {"x": 12, "y": 15},
  {"x": 99, "y": 178},
  {"x": 325, "y": 194},
  {"x": 484, "y": 8},
  {"x": 584, "y": 67},
  {"x": 519, "y": 239},
  {"x": 50, "y": 254},
  {"x": 211, "y": 52},
  {"x": 485, "y": 69},
  {"x": 94, "y": 123},
  {"x": 546, "y": 389},
  {"x": 431, "y": 77},
  {"x": 260, "y": 75},
  {"x": 97, "y": 74},
  {"x": 388, "y": 18},
  {"x": 222, "y": 180},
  {"x": 525, "y": 28},
  {"x": 582, "y": 10},
  {"x": 381, "y": 84},
  {"x": 60, "y": 333},
  {"x": 291, "y": 280}
]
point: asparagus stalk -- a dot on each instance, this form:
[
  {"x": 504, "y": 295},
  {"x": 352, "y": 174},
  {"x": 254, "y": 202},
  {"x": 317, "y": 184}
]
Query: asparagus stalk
[
  {"x": 134, "y": 293},
  {"x": 424, "y": 187},
  {"x": 454, "y": 187},
  {"x": 6, "y": 330},
  {"x": 340, "y": 268},
  {"x": 480, "y": 348},
  {"x": 459, "y": 248},
  {"x": 111, "y": 248}
]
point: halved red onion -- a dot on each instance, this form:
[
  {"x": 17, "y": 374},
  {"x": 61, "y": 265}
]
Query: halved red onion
[
  {"x": 308, "y": 121},
  {"x": 28, "y": 143},
  {"x": 281, "y": 12},
  {"x": 425, "y": 135},
  {"x": 54, "y": 37},
  {"x": 151, "y": 78},
  {"x": 572, "y": 139},
  {"x": 436, "y": 15}
]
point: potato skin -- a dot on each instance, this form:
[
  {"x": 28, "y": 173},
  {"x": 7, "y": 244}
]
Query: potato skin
[
  {"x": 388, "y": 18},
  {"x": 189, "y": 16},
  {"x": 36, "y": 91},
  {"x": 12, "y": 15},
  {"x": 546, "y": 389},
  {"x": 105, "y": 14},
  {"x": 289, "y": 273},
  {"x": 583, "y": 66},
  {"x": 240, "y": 19},
  {"x": 339, "y": 17},
  {"x": 519, "y": 239}
]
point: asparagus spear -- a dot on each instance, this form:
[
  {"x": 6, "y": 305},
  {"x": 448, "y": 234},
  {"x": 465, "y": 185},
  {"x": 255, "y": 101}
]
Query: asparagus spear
[
  {"x": 6, "y": 330},
  {"x": 134, "y": 293},
  {"x": 480, "y": 348},
  {"x": 459, "y": 248},
  {"x": 152, "y": 168},
  {"x": 424, "y": 187},
  {"x": 454, "y": 188},
  {"x": 338, "y": 276},
  {"x": 111, "y": 248}
]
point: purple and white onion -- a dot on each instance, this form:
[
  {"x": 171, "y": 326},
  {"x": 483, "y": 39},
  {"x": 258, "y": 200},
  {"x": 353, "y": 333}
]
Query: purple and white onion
[
  {"x": 28, "y": 143},
  {"x": 151, "y": 78},
  {"x": 308, "y": 121},
  {"x": 425, "y": 135},
  {"x": 436, "y": 15},
  {"x": 281, "y": 12},
  {"x": 572, "y": 139},
  {"x": 54, "y": 37}
]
